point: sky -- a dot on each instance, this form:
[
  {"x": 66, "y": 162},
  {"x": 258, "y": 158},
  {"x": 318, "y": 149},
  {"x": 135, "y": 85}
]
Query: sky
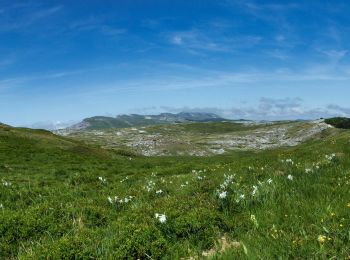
[{"x": 62, "y": 61}]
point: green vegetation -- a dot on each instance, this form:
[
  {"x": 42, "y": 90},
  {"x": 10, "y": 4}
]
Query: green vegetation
[
  {"x": 339, "y": 122},
  {"x": 60, "y": 198}
]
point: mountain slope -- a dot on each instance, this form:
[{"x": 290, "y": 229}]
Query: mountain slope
[{"x": 135, "y": 120}]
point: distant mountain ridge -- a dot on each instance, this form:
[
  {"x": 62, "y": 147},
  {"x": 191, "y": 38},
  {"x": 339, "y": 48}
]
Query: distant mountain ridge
[{"x": 136, "y": 120}]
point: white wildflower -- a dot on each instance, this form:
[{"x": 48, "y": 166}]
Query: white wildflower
[
  {"x": 330, "y": 157},
  {"x": 159, "y": 192},
  {"x": 255, "y": 189},
  {"x": 129, "y": 198},
  {"x": 150, "y": 185},
  {"x": 242, "y": 196},
  {"x": 223, "y": 194},
  {"x": 102, "y": 180},
  {"x": 290, "y": 177},
  {"x": 254, "y": 220},
  {"x": 126, "y": 178},
  {"x": 161, "y": 217},
  {"x": 6, "y": 183},
  {"x": 308, "y": 170},
  {"x": 289, "y": 161}
]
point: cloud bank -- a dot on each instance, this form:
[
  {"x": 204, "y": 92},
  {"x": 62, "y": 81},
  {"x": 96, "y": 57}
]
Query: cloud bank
[{"x": 269, "y": 109}]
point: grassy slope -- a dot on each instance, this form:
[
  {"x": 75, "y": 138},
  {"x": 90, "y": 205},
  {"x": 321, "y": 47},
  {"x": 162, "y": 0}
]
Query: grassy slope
[{"x": 56, "y": 206}]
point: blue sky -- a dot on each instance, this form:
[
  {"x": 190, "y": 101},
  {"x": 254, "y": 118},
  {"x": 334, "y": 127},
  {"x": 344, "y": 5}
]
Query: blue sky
[{"x": 66, "y": 60}]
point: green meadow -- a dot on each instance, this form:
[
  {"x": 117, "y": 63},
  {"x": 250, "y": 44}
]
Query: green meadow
[{"x": 64, "y": 199}]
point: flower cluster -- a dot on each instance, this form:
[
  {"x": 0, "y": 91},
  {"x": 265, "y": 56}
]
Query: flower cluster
[
  {"x": 228, "y": 180},
  {"x": 254, "y": 221},
  {"x": 308, "y": 170},
  {"x": 321, "y": 238},
  {"x": 125, "y": 179},
  {"x": 330, "y": 157},
  {"x": 120, "y": 201},
  {"x": 6, "y": 183},
  {"x": 255, "y": 190},
  {"x": 222, "y": 193},
  {"x": 288, "y": 161},
  {"x": 102, "y": 180},
  {"x": 184, "y": 185},
  {"x": 197, "y": 173},
  {"x": 150, "y": 185},
  {"x": 161, "y": 217}
]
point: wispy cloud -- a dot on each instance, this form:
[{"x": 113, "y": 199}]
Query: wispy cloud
[
  {"x": 17, "y": 81},
  {"x": 268, "y": 109},
  {"x": 51, "y": 125},
  {"x": 43, "y": 13},
  {"x": 342, "y": 111},
  {"x": 206, "y": 40},
  {"x": 260, "y": 9},
  {"x": 216, "y": 80},
  {"x": 98, "y": 24},
  {"x": 335, "y": 55},
  {"x": 18, "y": 17},
  {"x": 278, "y": 54}
]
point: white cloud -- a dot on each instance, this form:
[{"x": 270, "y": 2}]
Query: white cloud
[
  {"x": 51, "y": 125},
  {"x": 19, "y": 18},
  {"x": 269, "y": 109},
  {"x": 335, "y": 55},
  {"x": 209, "y": 39},
  {"x": 177, "y": 39},
  {"x": 43, "y": 13}
]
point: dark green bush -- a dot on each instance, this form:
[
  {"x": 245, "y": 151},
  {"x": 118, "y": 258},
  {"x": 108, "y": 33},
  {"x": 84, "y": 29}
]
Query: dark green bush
[
  {"x": 137, "y": 241},
  {"x": 197, "y": 226},
  {"x": 339, "y": 122}
]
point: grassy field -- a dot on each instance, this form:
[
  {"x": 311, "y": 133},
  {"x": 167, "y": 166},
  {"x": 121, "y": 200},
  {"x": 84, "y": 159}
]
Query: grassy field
[{"x": 61, "y": 198}]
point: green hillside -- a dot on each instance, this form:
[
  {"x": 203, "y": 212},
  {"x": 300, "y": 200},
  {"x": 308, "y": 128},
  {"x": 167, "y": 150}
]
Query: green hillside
[{"x": 63, "y": 199}]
